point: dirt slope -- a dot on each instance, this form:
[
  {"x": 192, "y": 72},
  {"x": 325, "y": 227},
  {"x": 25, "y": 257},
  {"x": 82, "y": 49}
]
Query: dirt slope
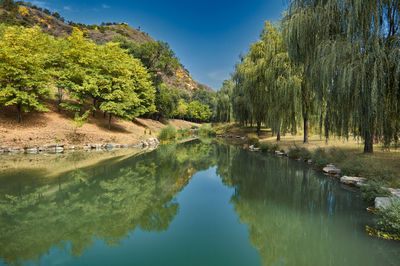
[{"x": 52, "y": 127}]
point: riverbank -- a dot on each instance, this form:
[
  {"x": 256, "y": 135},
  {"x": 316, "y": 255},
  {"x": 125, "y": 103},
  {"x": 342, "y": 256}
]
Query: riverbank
[
  {"x": 39, "y": 129},
  {"x": 382, "y": 166}
]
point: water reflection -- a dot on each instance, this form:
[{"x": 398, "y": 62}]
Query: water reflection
[
  {"x": 104, "y": 201},
  {"x": 294, "y": 216}
]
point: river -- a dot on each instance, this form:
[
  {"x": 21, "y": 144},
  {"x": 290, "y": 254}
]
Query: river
[{"x": 197, "y": 203}]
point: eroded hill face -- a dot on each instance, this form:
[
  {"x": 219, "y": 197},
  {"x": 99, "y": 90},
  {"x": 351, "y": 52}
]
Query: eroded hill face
[{"x": 53, "y": 24}]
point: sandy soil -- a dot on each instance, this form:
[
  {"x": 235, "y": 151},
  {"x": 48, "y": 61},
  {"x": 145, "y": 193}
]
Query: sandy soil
[{"x": 40, "y": 128}]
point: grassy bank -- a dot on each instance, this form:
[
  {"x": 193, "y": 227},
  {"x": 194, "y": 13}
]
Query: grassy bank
[
  {"x": 170, "y": 133},
  {"x": 382, "y": 166}
]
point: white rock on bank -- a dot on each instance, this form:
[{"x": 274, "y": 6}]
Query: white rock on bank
[
  {"x": 354, "y": 181},
  {"x": 395, "y": 192},
  {"x": 331, "y": 169},
  {"x": 252, "y": 148},
  {"x": 383, "y": 202}
]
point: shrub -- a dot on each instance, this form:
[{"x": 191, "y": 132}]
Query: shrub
[
  {"x": 337, "y": 155},
  {"x": 305, "y": 154},
  {"x": 372, "y": 190},
  {"x": 184, "y": 132},
  {"x": 194, "y": 127},
  {"x": 297, "y": 153},
  {"x": 167, "y": 133},
  {"x": 265, "y": 147},
  {"x": 354, "y": 167},
  {"x": 207, "y": 130},
  {"x": 320, "y": 158},
  {"x": 275, "y": 147},
  {"x": 389, "y": 220},
  {"x": 254, "y": 141},
  {"x": 294, "y": 152}
]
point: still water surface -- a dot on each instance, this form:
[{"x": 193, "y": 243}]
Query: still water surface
[{"x": 199, "y": 203}]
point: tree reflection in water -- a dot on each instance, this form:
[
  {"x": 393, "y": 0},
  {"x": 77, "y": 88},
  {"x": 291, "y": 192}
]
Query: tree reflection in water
[
  {"x": 104, "y": 201},
  {"x": 294, "y": 215}
]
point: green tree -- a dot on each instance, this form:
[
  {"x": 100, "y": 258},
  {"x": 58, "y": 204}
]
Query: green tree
[
  {"x": 349, "y": 57},
  {"x": 181, "y": 110},
  {"x": 281, "y": 81},
  {"x": 198, "y": 112},
  {"x": 156, "y": 56},
  {"x": 223, "y": 112},
  {"x": 79, "y": 73},
  {"x": 125, "y": 90},
  {"x": 24, "y": 64}
]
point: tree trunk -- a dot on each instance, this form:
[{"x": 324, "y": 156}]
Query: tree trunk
[
  {"x": 258, "y": 128},
  {"x": 278, "y": 137},
  {"x": 60, "y": 96},
  {"x": 109, "y": 121},
  {"x": 306, "y": 128},
  {"x": 105, "y": 114},
  {"x": 19, "y": 113},
  {"x": 94, "y": 110},
  {"x": 368, "y": 143}
]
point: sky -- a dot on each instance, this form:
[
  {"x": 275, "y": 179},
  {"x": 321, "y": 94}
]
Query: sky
[{"x": 207, "y": 36}]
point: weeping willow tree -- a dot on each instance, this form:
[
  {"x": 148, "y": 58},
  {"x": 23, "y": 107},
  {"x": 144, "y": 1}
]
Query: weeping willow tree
[
  {"x": 281, "y": 82},
  {"x": 224, "y": 103},
  {"x": 353, "y": 66},
  {"x": 306, "y": 24},
  {"x": 240, "y": 106},
  {"x": 267, "y": 85},
  {"x": 253, "y": 84}
]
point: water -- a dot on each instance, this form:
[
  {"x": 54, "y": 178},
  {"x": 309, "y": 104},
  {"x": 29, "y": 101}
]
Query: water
[{"x": 199, "y": 203}]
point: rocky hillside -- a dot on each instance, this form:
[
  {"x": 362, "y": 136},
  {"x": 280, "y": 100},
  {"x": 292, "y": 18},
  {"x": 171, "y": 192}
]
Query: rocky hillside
[{"x": 55, "y": 25}]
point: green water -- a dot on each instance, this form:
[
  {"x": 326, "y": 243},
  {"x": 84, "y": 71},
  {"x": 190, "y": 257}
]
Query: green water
[{"x": 199, "y": 203}]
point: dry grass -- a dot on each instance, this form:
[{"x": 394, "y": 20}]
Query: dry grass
[
  {"x": 382, "y": 165},
  {"x": 51, "y": 127}
]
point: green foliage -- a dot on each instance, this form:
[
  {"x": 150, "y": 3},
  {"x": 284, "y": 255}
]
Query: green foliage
[
  {"x": 96, "y": 77},
  {"x": 275, "y": 147},
  {"x": 348, "y": 58},
  {"x": 207, "y": 130},
  {"x": 305, "y": 154},
  {"x": 167, "y": 133},
  {"x": 320, "y": 158},
  {"x": 267, "y": 86},
  {"x": 389, "y": 219},
  {"x": 79, "y": 120},
  {"x": 9, "y": 5},
  {"x": 181, "y": 109},
  {"x": 186, "y": 132},
  {"x": 363, "y": 166},
  {"x": 223, "y": 112},
  {"x": 24, "y": 62},
  {"x": 157, "y": 57},
  {"x": 299, "y": 153},
  {"x": 198, "y": 112},
  {"x": 254, "y": 141},
  {"x": 294, "y": 152},
  {"x": 204, "y": 97},
  {"x": 265, "y": 147},
  {"x": 372, "y": 190},
  {"x": 354, "y": 167}
]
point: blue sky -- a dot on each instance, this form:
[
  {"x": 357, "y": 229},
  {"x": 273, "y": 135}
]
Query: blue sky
[{"x": 208, "y": 36}]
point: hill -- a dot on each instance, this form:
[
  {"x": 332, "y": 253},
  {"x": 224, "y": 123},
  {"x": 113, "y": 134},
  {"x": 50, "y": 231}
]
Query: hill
[{"x": 25, "y": 14}]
